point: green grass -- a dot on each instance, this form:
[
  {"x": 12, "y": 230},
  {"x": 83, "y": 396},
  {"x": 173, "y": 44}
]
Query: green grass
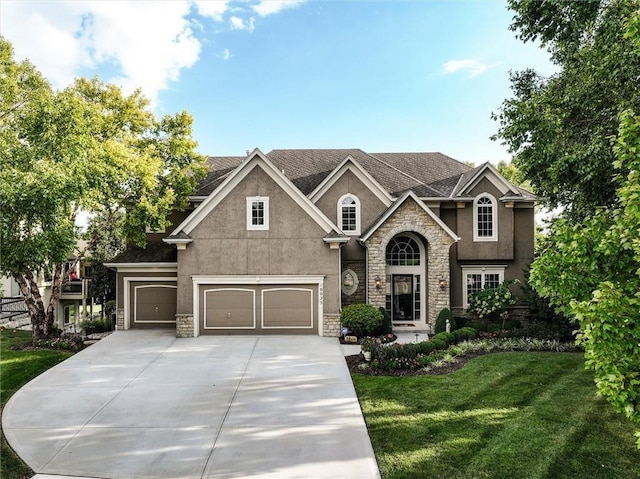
[
  {"x": 16, "y": 369},
  {"x": 508, "y": 415}
]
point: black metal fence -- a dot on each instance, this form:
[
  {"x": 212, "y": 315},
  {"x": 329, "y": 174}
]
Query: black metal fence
[{"x": 11, "y": 307}]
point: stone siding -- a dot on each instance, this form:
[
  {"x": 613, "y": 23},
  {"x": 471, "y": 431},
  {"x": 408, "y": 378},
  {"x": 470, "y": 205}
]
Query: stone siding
[
  {"x": 184, "y": 326},
  {"x": 120, "y": 319},
  {"x": 359, "y": 296},
  {"x": 411, "y": 217},
  {"x": 331, "y": 325}
]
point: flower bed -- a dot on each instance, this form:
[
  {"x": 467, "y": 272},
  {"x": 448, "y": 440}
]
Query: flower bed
[{"x": 445, "y": 349}]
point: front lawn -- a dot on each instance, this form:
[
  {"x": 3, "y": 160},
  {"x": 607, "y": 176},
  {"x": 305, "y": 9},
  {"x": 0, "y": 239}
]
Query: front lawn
[
  {"x": 16, "y": 369},
  {"x": 506, "y": 415}
]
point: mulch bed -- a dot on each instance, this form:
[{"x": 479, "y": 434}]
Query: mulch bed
[{"x": 357, "y": 365}]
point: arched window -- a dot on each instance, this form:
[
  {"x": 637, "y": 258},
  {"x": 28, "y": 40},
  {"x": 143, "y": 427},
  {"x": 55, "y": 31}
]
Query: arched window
[
  {"x": 485, "y": 218},
  {"x": 349, "y": 214},
  {"x": 403, "y": 251}
]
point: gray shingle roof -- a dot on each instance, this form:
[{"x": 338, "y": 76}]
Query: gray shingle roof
[
  {"x": 219, "y": 168},
  {"x": 427, "y": 174}
]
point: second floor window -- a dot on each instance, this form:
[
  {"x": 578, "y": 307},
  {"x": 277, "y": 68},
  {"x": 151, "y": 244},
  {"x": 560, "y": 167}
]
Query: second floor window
[
  {"x": 257, "y": 213},
  {"x": 485, "y": 219},
  {"x": 349, "y": 214}
]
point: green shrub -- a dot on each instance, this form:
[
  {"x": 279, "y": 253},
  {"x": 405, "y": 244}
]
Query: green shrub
[
  {"x": 479, "y": 326},
  {"x": 438, "y": 343},
  {"x": 447, "y": 338},
  {"x": 490, "y": 302},
  {"x": 386, "y": 327},
  {"x": 464, "y": 334},
  {"x": 441, "y": 321},
  {"x": 96, "y": 326},
  {"x": 361, "y": 319}
]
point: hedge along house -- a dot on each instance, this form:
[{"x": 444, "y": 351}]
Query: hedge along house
[{"x": 279, "y": 243}]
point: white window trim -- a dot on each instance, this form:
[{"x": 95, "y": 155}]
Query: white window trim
[
  {"x": 357, "y": 206},
  {"x": 499, "y": 270},
  {"x": 494, "y": 218},
  {"x": 265, "y": 202}
]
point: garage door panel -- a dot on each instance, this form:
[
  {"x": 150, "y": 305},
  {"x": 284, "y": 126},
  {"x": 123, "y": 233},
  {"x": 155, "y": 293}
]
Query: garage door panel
[
  {"x": 229, "y": 308},
  {"x": 258, "y": 308},
  {"x": 153, "y": 305},
  {"x": 287, "y": 308}
]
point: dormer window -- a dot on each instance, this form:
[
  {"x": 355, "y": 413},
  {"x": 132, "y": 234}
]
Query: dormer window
[
  {"x": 485, "y": 216},
  {"x": 349, "y": 214}
]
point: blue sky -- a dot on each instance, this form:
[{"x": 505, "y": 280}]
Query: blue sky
[{"x": 377, "y": 75}]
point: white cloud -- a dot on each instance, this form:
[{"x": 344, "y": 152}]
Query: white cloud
[
  {"x": 226, "y": 54},
  {"x": 136, "y": 44},
  {"x": 474, "y": 67},
  {"x": 238, "y": 23},
  {"x": 269, "y": 7},
  {"x": 212, "y": 8},
  {"x": 141, "y": 44}
]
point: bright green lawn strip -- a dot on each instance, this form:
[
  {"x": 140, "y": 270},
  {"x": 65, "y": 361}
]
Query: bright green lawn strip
[
  {"x": 522, "y": 415},
  {"x": 16, "y": 369}
]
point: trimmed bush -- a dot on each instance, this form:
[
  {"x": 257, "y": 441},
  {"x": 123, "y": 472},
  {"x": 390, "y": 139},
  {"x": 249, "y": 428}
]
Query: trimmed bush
[
  {"x": 464, "y": 334},
  {"x": 438, "y": 343},
  {"x": 96, "y": 326},
  {"x": 447, "y": 338},
  {"x": 361, "y": 319},
  {"x": 441, "y": 321}
]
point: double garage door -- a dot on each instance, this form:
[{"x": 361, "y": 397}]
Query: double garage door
[{"x": 258, "y": 309}]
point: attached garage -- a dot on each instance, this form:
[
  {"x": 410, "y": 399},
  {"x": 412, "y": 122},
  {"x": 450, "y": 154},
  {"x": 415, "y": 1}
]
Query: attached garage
[
  {"x": 152, "y": 303},
  {"x": 266, "y": 305}
]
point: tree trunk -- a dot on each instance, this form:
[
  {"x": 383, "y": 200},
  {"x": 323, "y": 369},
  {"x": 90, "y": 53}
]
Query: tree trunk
[
  {"x": 42, "y": 321},
  {"x": 34, "y": 304},
  {"x": 56, "y": 285}
]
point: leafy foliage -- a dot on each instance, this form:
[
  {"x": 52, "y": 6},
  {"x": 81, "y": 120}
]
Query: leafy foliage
[
  {"x": 88, "y": 147},
  {"x": 441, "y": 321},
  {"x": 361, "y": 319},
  {"x": 492, "y": 301},
  {"x": 558, "y": 128},
  {"x": 591, "y": 272},
  {"x": 105, "y": 240}
]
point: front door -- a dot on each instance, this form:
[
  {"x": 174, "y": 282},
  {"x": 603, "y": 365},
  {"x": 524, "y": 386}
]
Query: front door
[{"x": 402, "y": 297}]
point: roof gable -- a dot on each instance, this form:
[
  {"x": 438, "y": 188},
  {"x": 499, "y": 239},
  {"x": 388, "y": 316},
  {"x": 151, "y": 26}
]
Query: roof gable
[
  {"x": 349, "y": 164},
  {"x": 397, "y": 204},
  {"x": 255, "y": 159},
  {"x": 469, "y": 181}
]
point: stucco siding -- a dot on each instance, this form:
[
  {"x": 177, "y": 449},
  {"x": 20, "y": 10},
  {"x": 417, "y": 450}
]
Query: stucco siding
[
  {"x": 293, "y": 245},
  {"x": 370, "y": 206},
  {"x": 502, "y": 249}
]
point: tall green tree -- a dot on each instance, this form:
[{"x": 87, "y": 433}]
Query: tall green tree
[
  {"x": 86, "y": 147},
  {"x": 104, "y": 241},
  {"x": 559, "y": 128},
  {"x": 576, "y": 137}
]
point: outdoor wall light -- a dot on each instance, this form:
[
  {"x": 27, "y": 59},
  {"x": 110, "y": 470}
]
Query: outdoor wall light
[
  {"x": 442, "y": 282},
  {"x": 377, "y": 281}
]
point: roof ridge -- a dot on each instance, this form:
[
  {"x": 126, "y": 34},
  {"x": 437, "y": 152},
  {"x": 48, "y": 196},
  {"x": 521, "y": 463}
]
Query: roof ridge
[{"x": 403, "y": 172}]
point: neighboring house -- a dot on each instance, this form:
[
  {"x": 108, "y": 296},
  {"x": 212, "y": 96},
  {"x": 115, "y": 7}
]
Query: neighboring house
[
  {"x": 71, "y": 307},
  {"x": 279, "y": 243}
]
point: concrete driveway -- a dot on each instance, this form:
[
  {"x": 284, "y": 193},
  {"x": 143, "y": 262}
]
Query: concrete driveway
[{"x": 143, "y": 404}]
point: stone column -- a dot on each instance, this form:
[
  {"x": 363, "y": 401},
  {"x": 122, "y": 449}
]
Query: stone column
[{"x": 184, "y": 326}]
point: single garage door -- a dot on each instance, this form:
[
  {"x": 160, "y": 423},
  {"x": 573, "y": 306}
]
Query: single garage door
[
  {"x": 263, "y": 309},
  {"x": 152, "y": 304}
]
